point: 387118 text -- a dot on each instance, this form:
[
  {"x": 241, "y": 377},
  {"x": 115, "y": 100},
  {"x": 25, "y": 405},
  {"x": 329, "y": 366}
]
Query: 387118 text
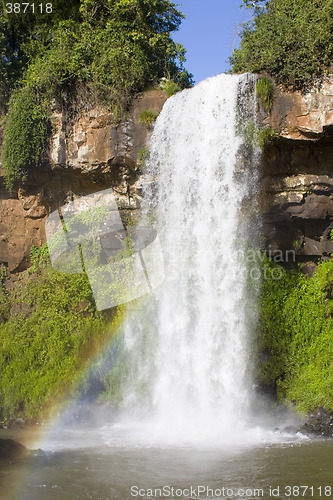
[
  {"x": 26, "y": 7},
  {"x": 301, "y": 491}
]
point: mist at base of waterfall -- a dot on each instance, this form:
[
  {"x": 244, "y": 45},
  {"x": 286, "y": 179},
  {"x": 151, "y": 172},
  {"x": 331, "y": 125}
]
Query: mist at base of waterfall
[
  {"x": 93, "y": 469},
  {"x": 272, "y": 424}
]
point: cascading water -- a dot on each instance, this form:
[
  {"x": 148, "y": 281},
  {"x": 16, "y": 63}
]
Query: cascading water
[
  {"x": 189, "y": 358},
  {"x": 183, "y": 361}
]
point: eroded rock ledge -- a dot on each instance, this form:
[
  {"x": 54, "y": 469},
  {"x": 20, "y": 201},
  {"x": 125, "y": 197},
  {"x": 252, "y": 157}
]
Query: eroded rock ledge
[{"x": 92, "y": 154}]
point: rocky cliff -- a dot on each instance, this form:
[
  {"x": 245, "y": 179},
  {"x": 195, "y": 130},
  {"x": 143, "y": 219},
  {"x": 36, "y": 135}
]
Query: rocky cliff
[
  {"x": 94, "y": 153},
  {"x": 297, "y": 174},
  {"x": 86, "y": 156}
]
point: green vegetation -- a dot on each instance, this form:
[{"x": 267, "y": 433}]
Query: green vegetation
[
  {"x": 265, "y": 93},
  {"x": 3, "y": 274},
  {"x": 143, "y": 156},
  {"x": 263, "y": 136},
  {"x": 87, "y": 220},
  {"x": 4, "y": 303},
  {"x": 297, "y": 245},
  {"x": 169, "y": 86},
  {"x": 27, "y": 126},
  {"x": 49, "y": 331},
  {"x": 147, "y": 117},
  {"x": 296, "y": 326},
  {"x": 254, "y": 137},
  {"x": 39, "y": 257},
  {"x": 87, "y": 51},
  {"x": 292, "y": 40}
]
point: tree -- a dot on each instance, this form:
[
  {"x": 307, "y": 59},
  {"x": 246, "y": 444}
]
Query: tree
[
  {"x": 252, "y": 4},
  {"x": 93, "y": 29},
  {"x": 290, "y": 39}
]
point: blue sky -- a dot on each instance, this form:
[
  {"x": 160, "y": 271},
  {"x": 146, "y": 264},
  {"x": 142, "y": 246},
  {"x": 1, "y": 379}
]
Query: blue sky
[{"x": 209, "y": 34}]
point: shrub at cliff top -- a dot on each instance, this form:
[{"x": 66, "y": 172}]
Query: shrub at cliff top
[{"x": 290, "y": 39}]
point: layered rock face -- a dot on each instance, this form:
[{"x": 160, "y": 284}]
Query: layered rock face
[
  {"x": 297, "y": 174},
  {"x": 86, "y": 156}
]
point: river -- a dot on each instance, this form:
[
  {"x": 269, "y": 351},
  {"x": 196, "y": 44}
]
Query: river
[{"x": 90, "y": 464}]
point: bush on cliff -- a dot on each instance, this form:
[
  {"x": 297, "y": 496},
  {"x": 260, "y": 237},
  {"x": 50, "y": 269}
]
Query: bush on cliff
[
  {"x": 296, "y": 327},
  {"x": 27, "y": 126},
  {"x": 290, "y": 39}
]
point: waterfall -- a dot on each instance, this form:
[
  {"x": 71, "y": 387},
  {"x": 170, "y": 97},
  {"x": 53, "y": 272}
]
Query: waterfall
[{"x": 188, "y": 351}]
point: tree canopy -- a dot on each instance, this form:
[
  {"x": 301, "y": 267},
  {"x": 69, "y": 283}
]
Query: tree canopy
[
  {"x": 124, "y": 44},
  {"x": 290, "y": 39},
  {"x": 110, "y": 48}
]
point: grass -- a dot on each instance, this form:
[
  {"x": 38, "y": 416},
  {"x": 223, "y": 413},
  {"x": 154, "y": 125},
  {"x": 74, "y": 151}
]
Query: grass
[
  {"x": 147, "y": 117},
  {"x": 296, "y": 327},
  {"x": 265, "y": 93}
]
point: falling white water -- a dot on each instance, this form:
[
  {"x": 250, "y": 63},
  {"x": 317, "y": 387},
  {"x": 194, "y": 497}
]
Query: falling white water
[
  {"x": 184, "y": 362},
  {"x": 189, "y": 356}
]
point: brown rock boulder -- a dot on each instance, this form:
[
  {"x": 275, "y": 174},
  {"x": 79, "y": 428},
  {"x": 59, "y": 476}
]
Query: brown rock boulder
[
  {"x": 304, "y": 116},
  {"x": 12, "y": 449}
]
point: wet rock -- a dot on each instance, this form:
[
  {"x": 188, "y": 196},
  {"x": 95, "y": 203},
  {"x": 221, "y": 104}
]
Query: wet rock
[
  {"x": 37, "y": 453},
  {"x": 289, "y": 429},
  {"x": 296, "y": 200},
  {"x": 267, "y": 389},
  {"x": 13, "y": 423},
  {"x": 319, "y": 422},
  {"x": 12, "y": 449}
]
